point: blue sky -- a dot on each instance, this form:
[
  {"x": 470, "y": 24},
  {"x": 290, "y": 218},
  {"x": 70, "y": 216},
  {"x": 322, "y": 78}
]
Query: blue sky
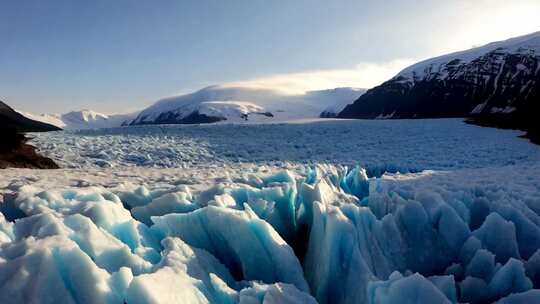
[{"x": 121, "y": 55}]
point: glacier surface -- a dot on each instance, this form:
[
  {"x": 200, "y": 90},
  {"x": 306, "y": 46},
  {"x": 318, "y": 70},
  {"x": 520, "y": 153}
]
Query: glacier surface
[
  {"x": 391, "y": 227},
  {"x": 379, "y": 146}
]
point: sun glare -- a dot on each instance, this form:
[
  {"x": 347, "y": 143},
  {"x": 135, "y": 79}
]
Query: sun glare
[{"x": 500, "y": 22}]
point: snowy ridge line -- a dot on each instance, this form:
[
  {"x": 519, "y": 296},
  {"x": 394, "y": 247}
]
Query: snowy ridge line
[
  {"x": 526, "y": 43},
  {"x": 494, "y": 85},
  {"x": 325, "y": 234}
]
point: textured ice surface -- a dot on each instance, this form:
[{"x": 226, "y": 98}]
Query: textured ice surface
[
  {"x": 463, "y": 226},
  {"x": 249, "y": 247},
  {"x": 392, "y": 145}
]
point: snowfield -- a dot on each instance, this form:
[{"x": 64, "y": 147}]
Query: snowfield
[{"x": 404, "y": 211}]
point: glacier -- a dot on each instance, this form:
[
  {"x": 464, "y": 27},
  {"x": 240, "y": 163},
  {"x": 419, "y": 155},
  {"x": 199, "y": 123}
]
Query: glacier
[
  {"x": 379, "y": 146},
  {"x": 350, "y": 239},
  {"x": 209, "y": 227}
]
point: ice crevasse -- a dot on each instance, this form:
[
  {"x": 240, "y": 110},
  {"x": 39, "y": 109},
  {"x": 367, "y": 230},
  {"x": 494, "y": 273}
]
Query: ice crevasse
[{"x": 324, "y": 234}]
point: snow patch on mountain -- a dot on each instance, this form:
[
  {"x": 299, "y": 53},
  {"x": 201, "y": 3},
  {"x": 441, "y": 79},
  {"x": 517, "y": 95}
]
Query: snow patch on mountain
[
  {"x": 523, "y": 44},
  {"x": 52, "y": 119},
  {"x": 84, "y": 116},
  {"x": 231, "y": 109}
]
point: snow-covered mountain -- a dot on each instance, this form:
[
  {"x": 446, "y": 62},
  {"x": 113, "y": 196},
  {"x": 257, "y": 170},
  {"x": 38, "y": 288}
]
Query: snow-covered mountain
[
  {"x": 499, "y": 82},
  {"x": 219, "y": 103},
  {"x": 213, "y": 104},
  {"x": 84, "y": 119}
]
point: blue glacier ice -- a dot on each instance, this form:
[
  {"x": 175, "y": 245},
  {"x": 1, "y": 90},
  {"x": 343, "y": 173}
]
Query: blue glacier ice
[
  {"x": 527, "y": 297},
  {"x": 176, "y": 202},
  {"x": 247, "y": 245},
  {"x": 52, "y": 270},
  {"x": 407, "y": 290},
  {"x": 315, "y": 234}
]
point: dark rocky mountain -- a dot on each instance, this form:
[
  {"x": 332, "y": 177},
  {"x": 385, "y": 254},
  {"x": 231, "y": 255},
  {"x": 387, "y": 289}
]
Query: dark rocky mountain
[
  {"x": 494, "y": 85},
  {"x": 14, "y": 151},
  {"x": 10, "y": 119}
]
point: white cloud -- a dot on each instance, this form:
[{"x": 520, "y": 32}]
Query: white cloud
[{"x": 364, "y": 75}]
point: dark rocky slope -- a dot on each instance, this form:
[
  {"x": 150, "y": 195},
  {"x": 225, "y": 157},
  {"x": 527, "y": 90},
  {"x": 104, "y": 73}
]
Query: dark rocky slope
[
  {"x": 495, "y": 85},
  {"x": 16, "y": 153},
  {"x": 10, "y": 119},
  {"x": 14, "y": 150}
]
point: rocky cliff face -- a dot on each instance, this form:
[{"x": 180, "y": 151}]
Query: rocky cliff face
[
  {"x": 498, "y": 84},
  {"x": 16, "y": 153}
]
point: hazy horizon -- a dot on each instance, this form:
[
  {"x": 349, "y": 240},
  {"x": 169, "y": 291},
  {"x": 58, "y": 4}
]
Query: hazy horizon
[{"x": 58, "y": 56}]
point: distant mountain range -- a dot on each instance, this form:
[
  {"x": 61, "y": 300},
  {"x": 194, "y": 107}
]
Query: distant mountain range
[
  {"x": 496, "y": 85},
  {"x": 220, "y": 103},
  {"x": 84, "y": 119},
  {"x": 214, "y": 104}
]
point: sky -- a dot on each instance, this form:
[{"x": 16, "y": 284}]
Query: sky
[{"x": 117, "y": 56}]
